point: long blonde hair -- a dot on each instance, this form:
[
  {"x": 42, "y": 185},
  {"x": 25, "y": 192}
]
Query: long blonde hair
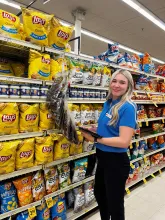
[{"x": 125, "y": 97}]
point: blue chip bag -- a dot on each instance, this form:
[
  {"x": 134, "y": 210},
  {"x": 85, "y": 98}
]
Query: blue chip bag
[
  {"x": 112, "y": 53},
  {"x": 121, "y": 60},
  {"x": 23, "y": 216},
  {"x": 8, "y": 197},
  {"x": 58, "y": 211},
  {"x": 80, "y": 167},
  {"x": 43, "y": 213},
  {"x": 128, "y": 60}
]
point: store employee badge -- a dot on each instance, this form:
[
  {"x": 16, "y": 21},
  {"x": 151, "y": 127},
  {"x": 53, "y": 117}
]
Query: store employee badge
[{"x": 108, "y": 115}]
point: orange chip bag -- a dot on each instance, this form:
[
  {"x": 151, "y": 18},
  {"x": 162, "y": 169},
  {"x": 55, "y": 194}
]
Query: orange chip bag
[
  {"x": 38, "y": 186},
  {"x": 43, "y": 150},
  {"x": 24, "y": 190},
  {"x": 7, "y": 156},
  {"x": 29, "y": 117},
  {"x": 9, "y": 117},
  {"x": 25, "y": 154}
]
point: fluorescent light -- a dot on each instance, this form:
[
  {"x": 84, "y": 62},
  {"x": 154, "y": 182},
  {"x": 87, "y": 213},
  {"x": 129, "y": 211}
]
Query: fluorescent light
[
  {"x": 10, "y": 3},
  {"x": 145, "y": 12},
  {"x": 46, "y": 1},
  {"x": 158, "y": 61}
]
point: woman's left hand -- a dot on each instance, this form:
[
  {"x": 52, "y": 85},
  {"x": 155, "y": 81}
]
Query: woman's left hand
[{"x": 87, "y": 136}]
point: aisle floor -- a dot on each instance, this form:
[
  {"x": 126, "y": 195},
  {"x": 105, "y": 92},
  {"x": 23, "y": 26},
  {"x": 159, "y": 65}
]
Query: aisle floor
[{"x": 146, "y": 202}]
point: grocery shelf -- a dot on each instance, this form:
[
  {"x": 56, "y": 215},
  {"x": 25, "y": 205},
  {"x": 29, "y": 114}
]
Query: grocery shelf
[
  {"x": 53, "y": 131},
  {"x": 11, "y": 79},
  {"x": 22, "y": 100},
  {"x": 89, "y": 87},
  {"x": 52, "y": 50},
  {"x": 147, "y": 137},
  {"x": 152, "y": 119},
  {"x": 85, "y": 101}
]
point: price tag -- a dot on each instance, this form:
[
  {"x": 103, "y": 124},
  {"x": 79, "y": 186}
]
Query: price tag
[
  {"x": 163, "y": 120},
  {"x": 140, "y": 124},
  {"x": 164, "y": 80},
  {"x": 32, "y": 212},
  {"x": 145, "y": 181},
  {"x": 146, "y": 123},
  {"x": 145, "y": 158},
  {"x": 160, "y": 171},
  {"x": 135, "y": 93},
  {"x": 155, "y": 104},
  {"x": 132, "y": 166},
  {"x": 131, "y": 146},
  {"x": 156, "y": 138},
  {"x": 49, "y": 202},
  {"x": 137, "y": 143},
  {"x": 157, "y": 79},
  {"x": 148, "y": 95},
  {"x": 128, "y": 191},
  {"x": 153, "y": 175}
]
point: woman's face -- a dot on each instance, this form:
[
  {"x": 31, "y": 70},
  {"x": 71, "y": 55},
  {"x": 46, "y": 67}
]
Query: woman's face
[{"x": 119, "y": 85}]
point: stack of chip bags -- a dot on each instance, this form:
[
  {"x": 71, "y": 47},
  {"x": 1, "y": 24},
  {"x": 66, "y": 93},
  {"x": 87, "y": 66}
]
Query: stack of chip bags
[{"x": 5, "y": 67}]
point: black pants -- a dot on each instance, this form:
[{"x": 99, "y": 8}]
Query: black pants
[{"x": 111, "y": 175}]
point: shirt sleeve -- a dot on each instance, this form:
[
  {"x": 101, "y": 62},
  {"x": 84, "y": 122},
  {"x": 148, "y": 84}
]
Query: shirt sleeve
[{"x": 128, "y": 118}]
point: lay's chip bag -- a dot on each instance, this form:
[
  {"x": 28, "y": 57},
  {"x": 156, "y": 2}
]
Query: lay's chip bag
[
  {"x": 54, "y": 68},
  {"x": 61, "y": 148},
  {"x": 29, "y": 117},
  {"x": 18, "y": 69},
  {"x": 7, "y": 156},
  {"x": 9, "y": 118},
  {"x": 25, "y": 154},
  {"x": 77, "y": 148},
  {"x": 59, "y": 34},
  {"x": 5, "y": 67},
  {"x": 22, "y": 32},
  {"x": 39, "y": 66},
  {"x": 43, "y": 150},
  {"x": 9, "y": 24},
  {"x": 43, "y": 213},
  {"x": 36, "y": 26}
]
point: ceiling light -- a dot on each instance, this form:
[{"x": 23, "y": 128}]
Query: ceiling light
[
  {"x": 145, "y": 12},
  {"x": 46, "y": 1},
  {"x": 10, "y": 3}
]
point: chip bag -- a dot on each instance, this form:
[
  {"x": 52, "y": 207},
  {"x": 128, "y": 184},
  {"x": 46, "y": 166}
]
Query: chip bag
[
  {"x": 46, "y": 120},
  {"x": 61, "y": 148},
  {"x": 23, "y": 216},
  {"x": 24, "y": 190},
  {"x": 59, "y": 34},
  {"x": 85, "y": 114},
  {"x": 36, "y": 26},
  {"x": 38, "y": 186},
  {"x": 52, "y": 180},
  {"x": 5, "y": 67},
  {"x": 43, "y": 213},
  {"x": 77, "y": 148},
  {"x": 64, "y": 175},
  {"x": 29, "y": 117},
  {"x": 80, "y": 167},
  {"x": 9, "y": 24},
  {"x": 39, "y": 66},
  {"x": 54, "y": 68},
  {"x": 18, "y": 68},
  {"x": 8, "y": 197},
  {"x": 25, "y": 154},
  {"x": 106, "y": 76},
  {"x": 7, "y": 156},
  {"x": 43, "y": 150},
  {"x": 22, "y": 32},
  {"x": 75, "y": 113}
]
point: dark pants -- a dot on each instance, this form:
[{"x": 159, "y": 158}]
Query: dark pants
[{"x": 111, "y": 175}]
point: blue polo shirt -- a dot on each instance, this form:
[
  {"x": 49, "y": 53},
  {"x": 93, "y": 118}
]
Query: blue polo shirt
[{"x": 127, "y": 117}]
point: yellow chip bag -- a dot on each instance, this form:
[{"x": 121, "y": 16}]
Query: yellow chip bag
[
  {"x": 59, "y": 34},
  {"x": 29, "y": 117},
  {"x": 5, "y": 67},
  {"x": 25, "y": 154},
  {"x": 7, "y": 156},
  {"x": 46, "y": 120},
  {"x": 9, "y": 118},
  {"x": 18, "y": 68},
  {"x": 36, "y": 26},
  {"x": 54, "y": 68},
  {"x": 77, "y": 148},
  {"x": 39, "y": 66},
  {"x": 43, "y": 150},
  {"x": 61, "y": 148},
  {"x": 21, "y": 31},
  {"x": 9, "y": 24}
]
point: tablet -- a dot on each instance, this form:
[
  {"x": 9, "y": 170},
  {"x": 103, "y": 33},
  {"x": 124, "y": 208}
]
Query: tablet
[{"x": 90, "y": 132}]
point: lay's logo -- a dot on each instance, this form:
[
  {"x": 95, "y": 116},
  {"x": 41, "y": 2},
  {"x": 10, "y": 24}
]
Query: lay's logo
[
  {"x": 8, "y": 118},
  {"x": 49, "y": 116},
  {"x": 5, "y": 158},
  {"x": 64, "y": 146},
  {"x": 31, "y": 117},
  {"x": 60, "y": 207},
  {"x": 43, "y": 60},
  {"x": 9, "y": 16},
  {"x": 38, "y": 20},
  {"x": 25, "y": 154},
  {"x": 63, "y": 34},
  {"x": 46, "y": 213},
  {"x": 47, "y": 149},
  {"x": 25, "y": 181}
]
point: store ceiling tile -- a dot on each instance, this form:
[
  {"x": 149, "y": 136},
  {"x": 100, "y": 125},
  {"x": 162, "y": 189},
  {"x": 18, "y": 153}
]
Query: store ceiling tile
[{"x": 153, "y": 5}]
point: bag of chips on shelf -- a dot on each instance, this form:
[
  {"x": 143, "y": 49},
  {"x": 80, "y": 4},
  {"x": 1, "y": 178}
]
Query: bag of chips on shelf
[
  {"x": 39, "y": 66},
  {"x": 87, "y": 74},
  {"x": 9, "y": 25},
  {"x": 70, "y": 198},
  {"x": 76, "y": 72},
  {"x": 22, "y": 32},
  {"x": 98, "y": 109},
  {"x": 24, "y": 190},
  {"x": 128, "y": 60},
  {"x": 43, "y": 150},
  {"x": 77, "y": 148},
  {"x": 8, "y": 156},
  {"x": 63, "y": 64},
  {"x": 152, "y": 143},
  {"x": 75, "y": 113},
  {"x": 147, "y": 63},
  {"x": 87, "y": 146},
  {"x": 80, "y": 167},
  {"x": 59, "y": 34},
  {"x": 18, "y": 69},
  {"x": 121, "y": 60},
  {"x": 5, "y": 67},
  {"x": 89, "y": 193},
  {"x": 61, "y": 148},
  {"x": 135, "y": 61},
  {"x": 23, "y": 216},
  {"x": 25, "y": 154},
  {"x": 85, "y": 114},
  {"x": 9, "y": 118},
  {"x": 38, "y": 186},
  {"x": 106, "y": 76},
  {"x": 64, "y": 175},
  {"x": 29, "y": 117},
  {"x": 161, "y": 141},
  {"x": 92, "y": 109},
  {"x": 54, "y": 69},
  {"x": 79, "y": 202},
  {"x": 112, "y": 53},
  {"x": 36, "y": 26},
  {"x": 43, "y": 213},
  {"x": 51, "y": 179}
]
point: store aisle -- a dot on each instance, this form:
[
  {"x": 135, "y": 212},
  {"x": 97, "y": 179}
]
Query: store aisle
[{"x": 146, "y": 202}]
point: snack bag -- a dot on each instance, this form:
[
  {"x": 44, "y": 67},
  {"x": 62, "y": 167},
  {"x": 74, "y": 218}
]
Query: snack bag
[
  {"x": 147, "y": 63},
  {"x": 51, "y": 179},
  {"x": 152, "y": 144},
  {"x": 135, "y": 61},
  {"x": 7, "y": 156},
  {"x": 59, "y": 34},
  {"x": 5, "y": 67},
  {"x": 38, "y": 186},
  {"x": 23, "y": 216},
  {"x": 64, "y": 175},
  {"x": 79, "y": 199},
  {"x": 106, "y": 76},
  {"x": 43, "y": 150},
  {"x": 54, "y": 68},
  {"x": 22, "y": 32},
  {"x": 76, "y": 72},
  {"x": 157, "y": 128},
  {"x": 36, "y": 26},
  {"x": 24, "y": 190},
  {"x": 8, "y": 197},
  {"x": 128, "y": 60},
  {"x": 77, "y": 148},
  {"x": 160, "y": 141},
  {"x": 9, "y": 24},
  {"x": 89, "y": 192},
  {"x": 121, "y": 60},
  {"x": 39, "y": 66},
  {"x": 43, "y": 213},
  {"x": 46, "y": 120},
  {"x": 85, "y": 114},
  {"x": 80, "y": 167},
  {"x": 87, "y": 146},
  {"x": 112, "y": 53},
  {"x": 75, "y": 113},
  {"x": 68, "y": 48},
  {"x": 25, "y": 154},
  {"x": 18, "y": 69},
  {"x": 29, "y": 117},
  {"x": 61, "y": 148},
  {"x": 98, "y": 109},
  {"x": 92, "y": 121},
  {"x": 142, "y": 83},
  {"x": 63, "y": 64},
  {"x": 87, "y": 74},
  {"x": 97, "y": 75}
]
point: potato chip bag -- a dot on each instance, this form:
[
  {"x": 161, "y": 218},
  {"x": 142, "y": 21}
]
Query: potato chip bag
[
  {"x": 43, "y": 150},
  {"x": 85, "y": 114},
  {"x": 39, "y": 66},
  {"x": 18, "y": 69},
  {"x": 43, "y": 213},
  {"x": 46, "y": 120},
  {"x": 61, "y": 148},
  {"x": 22, "y": 32},
  {"x": 9, "y": 24},
  {"x": 75, "y": 113},
  {"x": 59, "y": 34},
  {"x": 36, "y": 26},
  {"x": 25, "y": 154},
  {"x": 5, "y": 67},
  {"x": 38, "y": 186},
  {"x": 62, "y": 64},
  {"x": 77, "y": 148},
  {"x": 54, "y": 68},
  {"x": 51, "y": 179},
  {"x": 24, "y": 190},
  {"x": 29, "y": 117},
  {"x": 64, "y": 175}
]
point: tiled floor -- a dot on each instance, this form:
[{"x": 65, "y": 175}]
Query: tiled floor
[{"x": 146, "y": 202}]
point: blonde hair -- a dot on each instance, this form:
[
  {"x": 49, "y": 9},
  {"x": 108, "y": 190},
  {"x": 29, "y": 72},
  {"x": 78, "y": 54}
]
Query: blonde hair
[{"x": 124, "y": 98}]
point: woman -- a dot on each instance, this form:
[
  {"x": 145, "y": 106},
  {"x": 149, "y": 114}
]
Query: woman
[{"x": 116, "y": 126}]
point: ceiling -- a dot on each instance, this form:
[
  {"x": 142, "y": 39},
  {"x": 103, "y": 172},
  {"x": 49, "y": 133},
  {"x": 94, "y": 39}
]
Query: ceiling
[{"x": 112, "y": 19}]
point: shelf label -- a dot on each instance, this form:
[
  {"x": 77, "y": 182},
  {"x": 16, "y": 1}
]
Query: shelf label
[
  {"x": 137, "y": 143},
  {"x": 160, "y": 171},
  {"x": 32, "y": 212},
  {"x": 148, "y": 95},
  {"x": 131, "y": 146},
  {"x": 140, "y": 124},
  {"x": 146, "y": 123},
  {"x": 145, "y": 181},
  {"x": 163, "y": 120},
  {"x": 156, "y": 138},
  {"x": 132, "y": 166},
  {"x": 157, "y": 79},
  {"x": 153, "y": 175},
  {"x": 127, "y": 191},
  {"x": 155, "y": 104},
  {"x": 49, "y": 202},
  {"x": 145, "y": 158},
  {"x": 135, "y": 93}
]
